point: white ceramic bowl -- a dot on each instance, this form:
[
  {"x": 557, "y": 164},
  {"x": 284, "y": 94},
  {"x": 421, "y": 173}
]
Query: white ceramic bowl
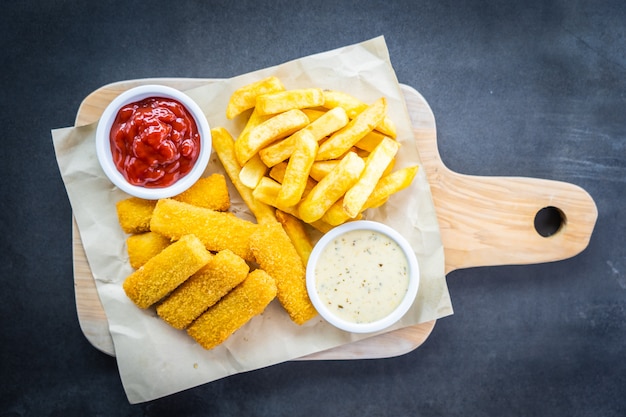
[
  {"x": 103, "y": 148},
  {"x": 321, "y": 301}
]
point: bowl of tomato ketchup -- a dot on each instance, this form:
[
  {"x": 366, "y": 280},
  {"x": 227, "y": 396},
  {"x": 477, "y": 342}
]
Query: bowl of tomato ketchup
[{"x": 153, "y": 142}]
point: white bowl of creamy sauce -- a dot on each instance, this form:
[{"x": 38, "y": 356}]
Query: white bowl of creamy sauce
[{"x": 362, "y": 276}]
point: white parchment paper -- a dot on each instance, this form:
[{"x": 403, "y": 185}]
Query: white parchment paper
[{"x": 156, "y": 360}]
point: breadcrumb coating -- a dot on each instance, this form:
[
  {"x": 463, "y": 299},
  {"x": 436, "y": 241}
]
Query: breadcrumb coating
[
  {"x": 208, "y": 192},
  {"x": 217, "y": 230},
  {"x": 134, "y": 214},
  {"x": 166, "y": 271},
  {"x": 144, "y": 246},
  {"x": 206, "y": 287},
  {"x": 276, "y": 254},
  {"x": 237, "y": 307}
]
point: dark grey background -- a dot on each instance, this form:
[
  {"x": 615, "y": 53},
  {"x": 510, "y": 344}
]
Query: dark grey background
[{"x": 534, "y": 88}]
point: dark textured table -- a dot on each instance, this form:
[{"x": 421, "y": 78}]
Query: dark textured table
[{"x": 534, "y": 89}]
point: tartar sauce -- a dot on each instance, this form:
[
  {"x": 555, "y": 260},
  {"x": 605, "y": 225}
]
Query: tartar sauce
[{"x": 362, "y": 276}]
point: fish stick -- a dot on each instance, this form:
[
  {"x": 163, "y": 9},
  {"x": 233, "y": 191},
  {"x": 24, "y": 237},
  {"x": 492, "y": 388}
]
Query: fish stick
[
  {"x": 239, "y": 306},
  {"x": 222, "y": 273},
  {"x": 134, "y": 214},
  {"x": 143, "y": 247},
  {"x": 209, "y": 192},
  {"x": 166, "y": 271},
  {"x": 217, "y": 230},
  {"x": 276, "y": 254}
]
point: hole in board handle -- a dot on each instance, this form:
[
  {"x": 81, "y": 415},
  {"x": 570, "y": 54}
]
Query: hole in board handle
[{"x": 549, "y": 220}]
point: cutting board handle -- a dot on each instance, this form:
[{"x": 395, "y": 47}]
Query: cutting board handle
[
  {"x": 498, "y": 220},
  {"x": 486, "y": 221}
]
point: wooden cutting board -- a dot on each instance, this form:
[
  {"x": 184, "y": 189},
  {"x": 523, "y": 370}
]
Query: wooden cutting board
[{"x": 484, "y": 221}]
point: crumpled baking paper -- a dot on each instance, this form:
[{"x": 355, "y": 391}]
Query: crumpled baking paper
[{"x": 155, "y": 359}]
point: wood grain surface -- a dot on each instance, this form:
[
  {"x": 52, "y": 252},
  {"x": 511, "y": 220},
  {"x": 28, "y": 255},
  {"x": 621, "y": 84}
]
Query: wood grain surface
[{"x": 484, "y": 221}]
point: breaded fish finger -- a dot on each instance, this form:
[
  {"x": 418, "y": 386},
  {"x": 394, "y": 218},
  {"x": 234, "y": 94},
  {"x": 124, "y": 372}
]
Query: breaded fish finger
[
  {"x": 166, "y": 271},
  {"x": 144, "y": 246},
  {"x": 237, "y": 307},
  {"x": 134, "y": 214},
  {"x": 216, "y": 229},
  {"x": 209, "y": 192},
  {"x": 276, "y": 254},
  {"x": 221, "y": 274}
]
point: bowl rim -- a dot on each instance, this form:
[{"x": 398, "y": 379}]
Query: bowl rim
[
  {"x": 407, "y": 300},
  {"x": 103, "y": 148}
]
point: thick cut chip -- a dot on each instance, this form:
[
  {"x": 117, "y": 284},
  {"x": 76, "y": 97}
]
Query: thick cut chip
[
  {"x": 297, "y": 172},
  {"x": 224, "y": 146},
  {"x": 390, "y": 184},
  {"x": 296, "y": 231},
  {"x": 274, "y": 128},
  {"x": 375, "y": 166},
  {"x": 267, "y": 191},
  {"x": 252, "y": 172},
  {"x": 244, "y": 98},
  {"x": 222, "y": 273},
  {"x": 328, "y": 123},
  {"x": 341, "y": 141},
  {"x": 283, "y": 101},
  {"x": 166, "y": 271},
  {"x": 247, "y": 300},
  {"x": 331, "y": 188},
  {"x": 277, "y": 256},
  {"x": 370, "y": 141},
  {"x": 321, "y": 168},
  {"x": 353, "y": 107}
]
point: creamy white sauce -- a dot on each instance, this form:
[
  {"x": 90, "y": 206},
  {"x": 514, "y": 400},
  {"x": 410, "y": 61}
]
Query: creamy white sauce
[{"x": 362, "y": 276}]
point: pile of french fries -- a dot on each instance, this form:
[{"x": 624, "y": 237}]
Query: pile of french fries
[{"x": 322, "y": 156}]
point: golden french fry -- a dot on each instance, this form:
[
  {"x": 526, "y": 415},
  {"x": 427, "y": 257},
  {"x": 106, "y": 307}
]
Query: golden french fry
[
  {"x": 336, "y": 215},
  {"x": 224, "y": 146},
  {"x": 274, "y": 128},
  {"x": 278, "y": 173},
  {"x": 341, "y": 141},
  {"x": 252, "y": 172},
  {"x": 279, "y": 151},
  {"x": 328, "y": 123},
  {"x": 244, "y": 98},
  {"x": 282, "y": 101},
  {"x": 321, "y": 168},
  {"x": 331, "y": 188},
  {"x": 297, "y": 172},
  {"x": 370, "y": 141},
  {"x": 390, "y": 184},
  {"x": 254, "y": 120},
  {"x": 375, "y": 166},
  {"x": 267, "y": 191},
  {"x": 314, "y": 114},
  {"x": 353, "y": 107},
  {"x": 294, "y": 228}
]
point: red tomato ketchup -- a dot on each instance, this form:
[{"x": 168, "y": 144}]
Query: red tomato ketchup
[{"x": 154, "y": 142}]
